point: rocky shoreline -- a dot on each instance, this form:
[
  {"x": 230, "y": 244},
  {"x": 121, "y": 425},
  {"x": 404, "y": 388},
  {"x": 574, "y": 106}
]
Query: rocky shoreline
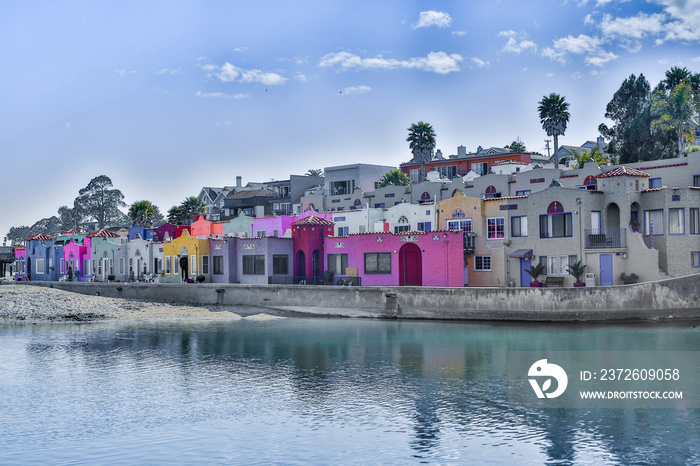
[{"x": 31, "y": 304}]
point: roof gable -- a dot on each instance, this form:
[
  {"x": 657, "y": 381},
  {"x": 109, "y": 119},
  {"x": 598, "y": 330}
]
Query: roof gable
[{"x": 624, "y": 171}]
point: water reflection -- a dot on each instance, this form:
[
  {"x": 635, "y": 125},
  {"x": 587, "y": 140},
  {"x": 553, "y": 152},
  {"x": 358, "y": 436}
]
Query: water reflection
[{"x": 323, "y": 390}]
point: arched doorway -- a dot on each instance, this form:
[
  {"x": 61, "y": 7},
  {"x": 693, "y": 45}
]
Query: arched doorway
[
  {"x": 612, "y": 216},
  {"x": 184, "y": 270},
  {"x": 301, "y": 265},
  {"x": 635, "y": 216},
  {"x": 410, "y": 265}
]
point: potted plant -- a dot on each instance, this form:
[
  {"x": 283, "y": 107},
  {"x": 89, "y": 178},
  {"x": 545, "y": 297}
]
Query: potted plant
[
  {"x": 200, "y": 278},
  {"x": 634, "y": 225},
  {"x": 535, "y": 271},
  {"x": 577, "y": 270},
  {"x": 629, "y": 279}
]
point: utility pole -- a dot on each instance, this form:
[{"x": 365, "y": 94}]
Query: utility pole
[{"x": 547, "y": 147}]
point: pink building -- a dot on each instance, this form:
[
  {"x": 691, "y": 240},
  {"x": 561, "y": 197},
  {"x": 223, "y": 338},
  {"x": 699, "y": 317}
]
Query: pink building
[
  {"x": 308, "y": 234},
  {"x": 386, "y": 259},
  {"x": 76, "y": 259}
]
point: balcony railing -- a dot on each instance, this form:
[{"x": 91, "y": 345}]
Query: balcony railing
[
  {"x": 469, "y": 241},
  {"x": 606, "y": 238}
]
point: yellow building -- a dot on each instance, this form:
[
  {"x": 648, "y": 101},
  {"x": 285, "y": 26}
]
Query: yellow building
[
  {"x": 484, "y": 225},
  {"x": 186, "y": 257}
]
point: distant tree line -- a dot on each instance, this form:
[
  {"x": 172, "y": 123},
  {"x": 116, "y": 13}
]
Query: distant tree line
[{"x": 100, "y": 202}]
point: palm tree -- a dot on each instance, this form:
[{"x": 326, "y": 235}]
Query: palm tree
[
  {"x": 394, "y": 178},
  {"x": 675, "y": 76},
  {"x": 314, "y": 173},
  {"x": 554, "y": 116},
  {"x": 421, "y": 139},
  {"x": 675, "y": 111},
  {"x": 595, "y": 154},
  {"x": 184, "y": 213},
  {"x": 142, "y": 213}
]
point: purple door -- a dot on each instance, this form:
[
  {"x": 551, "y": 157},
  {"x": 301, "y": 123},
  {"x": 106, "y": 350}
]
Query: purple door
[{"x": 606, "y": 270}]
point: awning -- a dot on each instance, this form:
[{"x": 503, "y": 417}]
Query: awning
[{"x": 521, "y": 254}]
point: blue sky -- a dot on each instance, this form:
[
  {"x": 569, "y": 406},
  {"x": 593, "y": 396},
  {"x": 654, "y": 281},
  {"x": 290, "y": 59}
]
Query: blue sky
[{"x": 165, "y": 97}]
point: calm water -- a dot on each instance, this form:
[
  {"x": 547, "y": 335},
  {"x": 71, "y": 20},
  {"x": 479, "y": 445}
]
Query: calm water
[{"x": 299, "y": 391}]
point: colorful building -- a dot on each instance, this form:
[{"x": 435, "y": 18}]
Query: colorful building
[
  {"x": 185, "y": 258},
  {"x": 103, "y": 245},
  {"x": 41, "y": 258},
  {"x": 406, "y": 259}
]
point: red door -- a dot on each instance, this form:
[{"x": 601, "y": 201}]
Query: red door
[{"x": 410, "y": 265}]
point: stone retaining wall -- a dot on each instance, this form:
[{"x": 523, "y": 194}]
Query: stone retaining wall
[{"x": 677, "y": 298}]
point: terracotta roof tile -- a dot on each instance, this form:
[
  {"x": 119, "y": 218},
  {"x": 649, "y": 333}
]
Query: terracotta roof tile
[
  {"x": 312, "y": 220},
  {"x": 624, "y": 171},
  {"x": 40, "y": 237},
  {"x": 103, "y": 234}
]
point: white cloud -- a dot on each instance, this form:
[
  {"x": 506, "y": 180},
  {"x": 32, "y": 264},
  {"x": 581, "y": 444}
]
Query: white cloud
[
  {"x": 68, "y": 126},
  {"x": 601, "y": 58},
  {"x": 433, "y": 18},
  {"x": 435, "y": 62},
  {"x": 588, "y": 20},
  {"x": 221, "y": 95},
  {"x": 240, "y": 49},
  {"x": 170, "y": 71},
  {"x": 459, "y": 33},
  {"x": 636, "y": 27},
  {"x": 123, "y": 73},
  {"x": 686, "y": 16},
  {"x": 589, "y": 46},
  {"x": 228, "y": 73},
  {"x": 301, "y": 77},
  {"x": 516, "y": 43},
  {"x": 356, "y": 90},
  {"x": 479, "y": 62}
]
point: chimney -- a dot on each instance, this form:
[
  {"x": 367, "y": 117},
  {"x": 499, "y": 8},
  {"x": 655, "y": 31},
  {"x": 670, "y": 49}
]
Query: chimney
[
  {"x": 601, "y": 141},
  {"x": 239, "y": 181},
  {"x": 461, "y": 151}
]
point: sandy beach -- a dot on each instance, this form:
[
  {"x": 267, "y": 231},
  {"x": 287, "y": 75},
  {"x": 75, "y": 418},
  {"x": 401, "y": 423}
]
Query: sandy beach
[{"x": 27, "y": 304}]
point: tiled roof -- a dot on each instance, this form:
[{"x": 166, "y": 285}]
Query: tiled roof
[
  {"x": 624, "y": 171},
  {"x": 72, "y": 231},
  {"x": 103, "y": 234},
  {"x": 40, "y": 237},
  {"x": 505, "y": 198},
  {"x": 312, "y": 220}
]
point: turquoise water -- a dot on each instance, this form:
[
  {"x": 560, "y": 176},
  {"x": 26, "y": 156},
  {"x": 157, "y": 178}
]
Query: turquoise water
[{"x": 301, "y": 391}]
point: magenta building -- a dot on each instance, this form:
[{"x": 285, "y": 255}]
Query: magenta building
[
  {"x": 76, "y": 258},
  {"x": 408, "y": 259}
]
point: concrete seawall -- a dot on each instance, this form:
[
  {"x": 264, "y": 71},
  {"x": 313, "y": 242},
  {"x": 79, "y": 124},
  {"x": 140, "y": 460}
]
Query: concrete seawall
[{"x": 677, "y": 298}]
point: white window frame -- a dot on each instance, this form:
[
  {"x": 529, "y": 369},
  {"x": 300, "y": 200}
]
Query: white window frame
[
  {"x": 496, "y": 221},
  {"x": 193, "y": 264},
  {"x": 480, "y": 265},
  {"x": 39, "y": 265},
  {"x": 168, "y": 264},
  {"x": 205, "y": 265}
]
